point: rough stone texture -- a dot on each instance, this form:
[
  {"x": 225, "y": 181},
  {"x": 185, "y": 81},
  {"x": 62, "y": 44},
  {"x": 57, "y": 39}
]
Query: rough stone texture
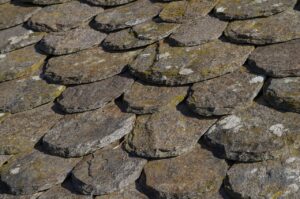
[
  {"x": 95, "y": 95},
  {"x": 62, "y": 17},
  {"x": 18, "y": 37},
  {"x": 60, "y": 43},
  {"x": 270, "y": 179},
  {"x": 45, "y": 2},
  {"x": 281, "y": 27},
  {"x": 195, "y": 175},
  {"x": 167, "y": 133},
  {"x": 20, "y": 132},
  {"x": 198, "y": 31},
  {"x": 87, "y": 66},
  {"x": 284, "y": 93},
  {"x": 19, "y": 63},
  {"x": 232, "y": 9},
  {"x": 34, "y": 172},
  {"x": 11, "y": 196},
  {"x": 109, "y": 2},
  {"x": 183, "y": 65},
  {"x": 4, "y": 1},
  {"x": 145, "y": 98},
  {"x": 60, "y": 192},
  {"x": 128, "y": 193},
  {"x": 277, "y": 60},
  {"x": 254, "y": 134},
  {"x": 4, "y": 159},
  {"x": 13, "y": 14},
  {"x": 126, "y": 16},
  {"x": 180, "y": 11},
  {"x": 220, "y": 96},
  {"x": 24, "y": 94},
  {"x": 81, "y": 134},
  {"x": 107, "y": 171}
]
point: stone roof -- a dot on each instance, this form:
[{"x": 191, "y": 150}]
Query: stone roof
[{"x": 140, "y": 99}]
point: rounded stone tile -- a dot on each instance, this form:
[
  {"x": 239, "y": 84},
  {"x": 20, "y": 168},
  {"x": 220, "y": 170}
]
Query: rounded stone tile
[
  {"x": 80, "y": 134},
  {"x": 61, "y": 43},
  {"x": 19, "y": 63},
  {"x": 283, "y": 93},
  {"x": 27, "y": 93},
  {"x": 232, "y": 9},
  {"x": 278, "y": 28},
  {"x": 106, "y": 171},
  {"x": 198, "y": 31},
  {"x": 197, "y": 174},
  {"x": 182, "y": 65},
  {"x": 95, "y": 95},
  {"x": 222, "y": 95},
  {"x": 45, "y": 2},
  {"x": 168, "y": 133},
  {"x": 128, "y": 193},
  {"x": 126, "y": 16},
  {"x": 87, "y": 66},
  {"x": 255, "y": 133},
  {"x": 13, "y": 14},
  {"x": 61, "y": 17},
  {"x": 145, "y": 98},
  {"x": 21, "y": 131},
  {"x": 33, "y": 172},
  {"x": 60, "y": 192},
  {"x": 277, "y": 60}
]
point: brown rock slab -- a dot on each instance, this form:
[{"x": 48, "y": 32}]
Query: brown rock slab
[
  {"x": 129, "y": 193},
  {"x": 106, "y": 171},
  {"x": 222, "y": 95},
  {"x": 255, "y": 133},
  {"x": 145, "y": 98},
  {"x": 34, "y": 172},
  {"x": 197, "y": 174},
  {"x": 19, "y": 63},
  {"x": 198, "y": 31},
  {"x": 126, "y": 16},
  {"x": 13, "y": 14},
  {"x": 283, "y": 93},
  {"x": 45, "y": 2},
  {"x": 27, "y": 93},
  {"x": 231, "y": 9},
  {"x": 18, "y": 37},
  {"x": 168, "y": 133},
  {"x": 61, "y": 43},
  {"x": 109, "y": 2},
  {"x": 277, "y": 60},
  {"x": 183, "y": 65},
  {"x": 93, "y": 96},
  {"x": 21, "y": 131},
  {"x": 278, "y": 28},
  {"x": 61, "y": 17},
  {"x": 87, "y": 66},
  {"x": 81, "y": 134}
]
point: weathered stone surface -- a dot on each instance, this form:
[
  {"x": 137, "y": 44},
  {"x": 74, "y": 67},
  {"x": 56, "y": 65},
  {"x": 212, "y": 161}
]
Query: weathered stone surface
[
  {"x": 197, "y": 174},
  {"x": 4, "y": 159},
  {"x": 284, "y": 93},
  {"x": 198, "y": 31},
  {"x": 60, "y": 43},
  {"x": 254, "y": 134},
  {"x": 222, "y": 95},
  {"x": 128, "y": 193},
  {"x": 81, "y": 134},
  {"x": 126, "y": 16},
  {"x": 62, "y": 17},
  {"x": 183, "y": 65},
  {"x": 18, "y": 37},
  {"x": 281, "y": 27},
  {"x": 4, "y": 1},
  {"x": 13, "y": 14},
  {"x": 144, "y": 98},
  {"x": 20, "y": 132},
  {"x": 60, "y": 192},
  {"x": 45, "y": 2},
  {"x": 179, "y": 11},
  {"x": 20, "y": 63},
  {"x": 109, "y": 2},
  {"x": 277, "y": 60},
  {"x": 270, "y": 179},
  {"x": 27, "y": 93},
  {"x": 107, "y": 171},
  {"x": 11, "y": 196},
  {"x": 167, "y": 133},
  {"x": 87, "y": 66},
  {"x": 232, "y": 9},
  {"x": 35, "y": 171},
  {"x": 95, "y": 95}
]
